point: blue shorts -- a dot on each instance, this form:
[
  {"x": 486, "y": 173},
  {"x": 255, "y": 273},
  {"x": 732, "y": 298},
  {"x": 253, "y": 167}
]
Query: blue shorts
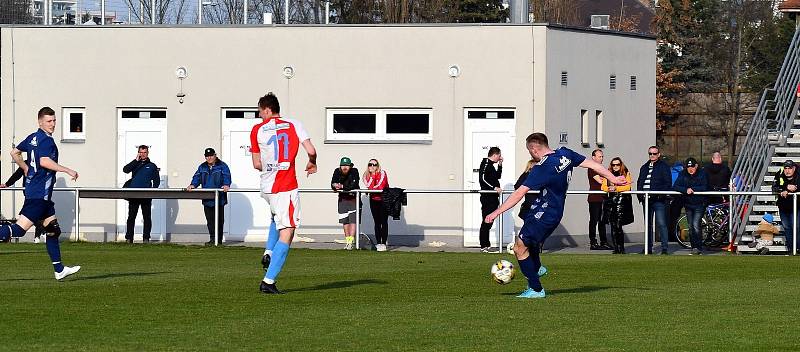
[
  {"x": 36, "y": 210},
  {"x": 535, "y": 232}
]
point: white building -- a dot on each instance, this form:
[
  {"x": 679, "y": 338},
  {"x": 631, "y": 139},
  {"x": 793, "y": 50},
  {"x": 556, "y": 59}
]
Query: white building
[{"x": 425, "y": 100}]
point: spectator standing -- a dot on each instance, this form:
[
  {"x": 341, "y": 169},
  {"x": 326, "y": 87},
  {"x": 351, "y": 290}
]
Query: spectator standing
[
  {"x": 719, "y": 177},
  {"x": 596, "y": 225},
  {"x": 144, "y": 174},
  {"x": 693, "y": 180},
  {"x": 654, "y": 175},
  {"x": 344, "y": 180},
  {"x": 375, "y": 178},
  {"x": 213, "y": 173},
  {"x": 675, "y": 204},
  {"x": 529, "y": 197},
  {"x": 618, "y": 207},
  {"x": 489, "y": 173},
  {"x": 786, "y": 182}
]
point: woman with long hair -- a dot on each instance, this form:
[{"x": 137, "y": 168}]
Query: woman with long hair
[
  {"x": 375, "y": 179},
  {"x": 618, "y": 207},
  {"x": 530, "y": 197}
]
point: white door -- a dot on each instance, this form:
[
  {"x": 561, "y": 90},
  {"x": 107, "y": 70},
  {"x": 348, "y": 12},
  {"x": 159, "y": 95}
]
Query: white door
[
  {"x": 142, "y": 127},
  {"x": 483, "y": 129},
  {"x": 247, "y": 216}
]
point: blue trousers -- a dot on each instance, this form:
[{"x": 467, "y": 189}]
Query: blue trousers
[
  {"x": 658, "y": 213},
  {"x": 694, "y": 215}
]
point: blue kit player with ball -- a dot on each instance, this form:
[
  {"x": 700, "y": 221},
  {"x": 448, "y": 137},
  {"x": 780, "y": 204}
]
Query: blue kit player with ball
[{"x": 550, "y": 177}]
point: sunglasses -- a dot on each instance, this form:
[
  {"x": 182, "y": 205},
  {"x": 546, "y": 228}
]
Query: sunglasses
[
  {"x": 616, "y": 164},
  {"x": 656, "y": 153},
  {"x": 372, "y": 164}
]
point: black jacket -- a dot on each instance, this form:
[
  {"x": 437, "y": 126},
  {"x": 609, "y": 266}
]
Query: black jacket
[
  {"x": 719, "y": 176},
  {"x": 698, "y": 183},
  {"x": 660, "y": 180},
  {"x": 529, "y": 197},
  {"x": 18, "y": 173},
  {"x": 488, "y": 176},
  {"x": 779, "y": 185},
  {"x": 393, "y": 200},
  {"x": 349, "y": 182}
]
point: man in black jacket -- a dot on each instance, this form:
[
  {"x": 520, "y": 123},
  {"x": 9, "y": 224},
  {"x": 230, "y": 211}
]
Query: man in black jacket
[
  {"x": 786, "y": 182},
  {"x": 489, "y": 174},
  {"x": 655, "y": 175},
  {"x": 344, "y": 180},
  {"x": 10, "y": 182},
  {"x": 689, "y": 181},
  {"x": 144, "y": 174},
  {"x": 719, "y": 177}
]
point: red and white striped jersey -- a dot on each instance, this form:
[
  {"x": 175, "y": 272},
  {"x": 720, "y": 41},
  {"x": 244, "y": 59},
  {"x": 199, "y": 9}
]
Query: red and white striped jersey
[{"x": 278, "y": 140}]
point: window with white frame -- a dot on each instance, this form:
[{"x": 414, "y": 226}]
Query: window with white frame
[
  {"x": 379, "y": 125},
  {"x": 585, "y": 127},
  {"x": 599, "y": 128},
  {"x": 239, "y": 113},
  {"x": 73, "y": 126}
]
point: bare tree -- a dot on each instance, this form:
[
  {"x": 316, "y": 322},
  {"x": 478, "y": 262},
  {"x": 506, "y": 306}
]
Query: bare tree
[
  {"x": 556, "y": 11},
  {"x": 166, "y": 11}
]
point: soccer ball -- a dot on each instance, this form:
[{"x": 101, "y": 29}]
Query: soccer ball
[{"x": 502, "y": 272}]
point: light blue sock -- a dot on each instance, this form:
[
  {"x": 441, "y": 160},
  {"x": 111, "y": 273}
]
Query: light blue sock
[
  {"x": 272, "y": 238},
  {"x": 279, "y": 254}
]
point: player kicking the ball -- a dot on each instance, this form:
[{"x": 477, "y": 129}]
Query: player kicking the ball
[
  {"x": 550, "y": 177},
  {"x": 274, "y": 145}
]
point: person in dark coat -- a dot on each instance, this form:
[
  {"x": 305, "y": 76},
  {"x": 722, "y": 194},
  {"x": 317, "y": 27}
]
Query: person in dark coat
[
  {"x": 596, "y": 224},
  {"x": 344, "y": 180},
  {"x": 489, "y": 174},
  {"x": 618, "y": 210},
  {"x": 144, "y": 174},
  {"x": 693, "y": 180},
  {"x": 719, "y": 177},
  {"x": 786, "y": 182},
  {"x": 18, "y": 174},
  {"x": 529, "y": 197},
  {"x": 213, "y": 173},
  {"x": 654, "y": 175}
]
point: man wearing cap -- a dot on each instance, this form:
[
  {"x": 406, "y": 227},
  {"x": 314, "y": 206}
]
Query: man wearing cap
[
  {"x": 689, "y": 181},
  {"x": 784, "y": 184},
  {"x": 344, "y": 180},
  {"x": 215, "y": 174}
]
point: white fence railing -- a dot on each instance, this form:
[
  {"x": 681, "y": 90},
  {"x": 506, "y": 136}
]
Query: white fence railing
[{"x": 180, "y": 193}]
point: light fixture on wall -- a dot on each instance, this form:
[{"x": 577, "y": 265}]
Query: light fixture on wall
[
  {"x": 454, "y": 71},
  {"x": 288, "y": 72},
  {"x": 181, "y": 73}
]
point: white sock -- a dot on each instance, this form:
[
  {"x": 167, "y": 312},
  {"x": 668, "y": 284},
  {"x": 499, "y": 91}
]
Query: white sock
[
  {"x": 268, "y": 252},
  {"x": 268, "y": 281}
]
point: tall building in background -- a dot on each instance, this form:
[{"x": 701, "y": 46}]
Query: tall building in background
[{"x": 62, "y": 11}]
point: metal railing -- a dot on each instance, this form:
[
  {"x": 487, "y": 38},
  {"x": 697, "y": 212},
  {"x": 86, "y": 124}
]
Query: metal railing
[
  {"x": 755, "y": 157},
  {"x": 201, "y": 193}
]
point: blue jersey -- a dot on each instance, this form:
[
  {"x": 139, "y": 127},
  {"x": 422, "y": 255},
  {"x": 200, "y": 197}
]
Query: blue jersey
[
  {"x": 40, "y": 181},
  {"x": 551, "y": 177}
]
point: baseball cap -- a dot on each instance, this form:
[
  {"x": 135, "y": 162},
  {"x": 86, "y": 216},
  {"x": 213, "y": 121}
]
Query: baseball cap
[
  {"x": 690, "y": 162},
  {"x": 210, "y": 152},
  {"x": 788, "y": 163},
  {"x": 768, "y": 217},
  {"x": 345, "y": 162}
]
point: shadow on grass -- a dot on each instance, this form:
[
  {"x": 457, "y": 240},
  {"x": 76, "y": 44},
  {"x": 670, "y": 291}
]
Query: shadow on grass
[
  {"x": 115, "y": 275},
  {"x": 338, "y": 284},
  {"x": 581, "y": 289}
]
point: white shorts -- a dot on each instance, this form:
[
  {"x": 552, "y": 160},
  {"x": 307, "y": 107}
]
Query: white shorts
[{"x": 285, "y": 208}]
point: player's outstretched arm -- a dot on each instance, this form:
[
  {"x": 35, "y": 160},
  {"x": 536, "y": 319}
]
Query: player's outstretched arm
[
  {"x": 311, "y": 167},
  {"x": 48, "y": 163},
  {"x": 591, "y": 164},
  {"x": 510, "y": 202}
]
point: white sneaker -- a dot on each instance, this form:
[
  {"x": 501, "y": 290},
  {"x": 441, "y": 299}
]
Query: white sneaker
[
  {"x": 380, "y": 247},
  {"x": 68, "y": 270},
  {"x": 348, "y": 246},
  {"x": 36, "y": 239}
]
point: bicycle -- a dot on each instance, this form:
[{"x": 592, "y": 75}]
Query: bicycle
[{"x": 713, "y": 225}]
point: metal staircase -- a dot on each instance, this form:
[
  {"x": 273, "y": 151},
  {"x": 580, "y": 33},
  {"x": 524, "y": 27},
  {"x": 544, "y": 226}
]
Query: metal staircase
[{"x": 773, "y": 137}]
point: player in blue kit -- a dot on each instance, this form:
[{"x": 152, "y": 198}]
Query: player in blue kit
[
  {"x": 550, "y": 177},
  {"x": 40, "y": 176}
]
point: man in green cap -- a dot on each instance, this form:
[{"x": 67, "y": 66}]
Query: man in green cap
[{"x": 344, "y": 180}]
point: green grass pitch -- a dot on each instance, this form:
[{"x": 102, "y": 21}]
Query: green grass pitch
[{"x": 169, "y": 297}]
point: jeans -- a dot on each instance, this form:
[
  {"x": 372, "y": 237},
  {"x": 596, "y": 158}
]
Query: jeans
[
  {"x": 695, "y": 232},
  {"x": 787, "y": 221},
  {"x": 658, "y": 212}
]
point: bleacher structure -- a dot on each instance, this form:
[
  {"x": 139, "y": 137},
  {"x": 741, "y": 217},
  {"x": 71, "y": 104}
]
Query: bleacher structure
[{"x": 773, "y": 137}]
